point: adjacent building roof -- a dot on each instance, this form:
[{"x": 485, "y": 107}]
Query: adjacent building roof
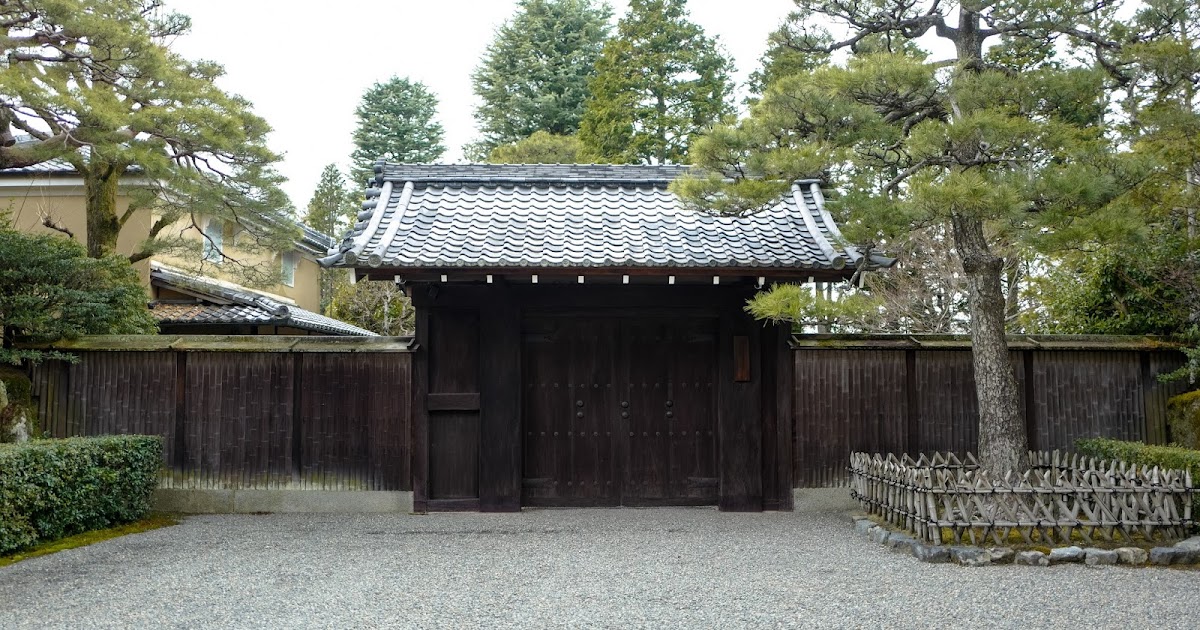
[
  {"x": 221, "y": 303},
  {"x": 499, "y": 217}
]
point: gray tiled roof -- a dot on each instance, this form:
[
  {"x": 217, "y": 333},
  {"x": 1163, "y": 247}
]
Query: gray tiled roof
[
  {"x": 228, "y": 305},
  {"x": 576, "y": 216}
]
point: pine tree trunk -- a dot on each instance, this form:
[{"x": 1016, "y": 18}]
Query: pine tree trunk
[
  {"x": 103, "y": 224},
  {"x": 1003, "y": 443}
]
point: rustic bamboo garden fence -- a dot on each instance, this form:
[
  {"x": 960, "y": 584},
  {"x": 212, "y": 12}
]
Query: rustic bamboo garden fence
[{"x": 1061, "y": 496}]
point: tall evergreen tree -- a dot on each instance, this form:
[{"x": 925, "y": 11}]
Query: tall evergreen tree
[
  {"x": 658, "y": 83},
  {"x": 92, "y": 83},
  {"x": 1000, "y": 143},
  {"x": 540, "y": 148},
  {"x": 534, "y": 75},
  {"x": 331, "y": 211},
  {"x": 396, "y": 123},
  {"x": 1150, "y": 285}
]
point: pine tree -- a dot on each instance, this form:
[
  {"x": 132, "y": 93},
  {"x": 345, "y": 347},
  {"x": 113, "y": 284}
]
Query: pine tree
[
  {"x": 534, "y": 75},
  {"x": 93, "y": 83},
  {"x": 1007, "y": 141},
  {"x": 658, "y": 83},
  {"x": 395, "y": 123}
]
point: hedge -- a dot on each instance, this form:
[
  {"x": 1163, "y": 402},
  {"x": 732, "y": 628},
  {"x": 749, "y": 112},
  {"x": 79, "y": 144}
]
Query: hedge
[
  {"x": 1137, "y": 453},
  {"x": 55, "y": 488}
]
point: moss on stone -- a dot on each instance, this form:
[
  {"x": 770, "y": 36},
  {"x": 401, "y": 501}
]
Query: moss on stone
[
  {"x": 1183, "y": 416},
  {"x": 16, "y": 403}
]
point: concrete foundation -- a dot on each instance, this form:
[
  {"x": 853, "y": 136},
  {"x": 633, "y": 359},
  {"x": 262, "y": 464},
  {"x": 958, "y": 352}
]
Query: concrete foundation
[{"x": 248, "y": 501}]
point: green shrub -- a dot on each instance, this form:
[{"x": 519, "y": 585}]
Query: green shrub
[
  {"x": 55, "y": 488},
  {"x": 1137, "y": 453}
]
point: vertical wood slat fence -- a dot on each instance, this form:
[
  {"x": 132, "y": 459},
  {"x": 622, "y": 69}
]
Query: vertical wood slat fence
[
  {"x": 245, "y": 413},
  {"x": 902, "y": 394},
  {"x": 1060, "y": 497}
]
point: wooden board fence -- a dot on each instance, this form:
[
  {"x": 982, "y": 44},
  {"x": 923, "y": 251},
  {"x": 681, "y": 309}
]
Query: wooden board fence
[
  {"x": 245, "y": 413},
  {"x": 916, "y": 394}
]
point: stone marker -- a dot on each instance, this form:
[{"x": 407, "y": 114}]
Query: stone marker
[
  {"x": 1132, "y": 555},
  {"x": 1066, "y": 554},
  {"x": 1032, "y": 558},
  {"x": 1093, "y": 556}
]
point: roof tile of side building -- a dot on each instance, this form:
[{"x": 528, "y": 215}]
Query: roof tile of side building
[
  {"x": 577, "y": 216},
  {"x": 219, "y": 303}
]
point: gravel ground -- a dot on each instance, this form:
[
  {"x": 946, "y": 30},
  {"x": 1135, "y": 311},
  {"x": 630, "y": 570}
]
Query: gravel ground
[{"x": 619, "y": 568}]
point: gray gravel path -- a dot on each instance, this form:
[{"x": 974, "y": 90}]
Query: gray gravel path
[{"x": 692, "y": 568}]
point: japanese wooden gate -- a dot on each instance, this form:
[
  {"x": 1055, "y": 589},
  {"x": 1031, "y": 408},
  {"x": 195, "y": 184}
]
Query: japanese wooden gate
[{"x": 597, "y": 396}]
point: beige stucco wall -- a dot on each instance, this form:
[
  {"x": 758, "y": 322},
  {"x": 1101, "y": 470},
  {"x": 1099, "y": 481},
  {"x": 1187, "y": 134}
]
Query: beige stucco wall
[
  {"x": 27, "y": 200},
  {"x": 65, "y": 205}
]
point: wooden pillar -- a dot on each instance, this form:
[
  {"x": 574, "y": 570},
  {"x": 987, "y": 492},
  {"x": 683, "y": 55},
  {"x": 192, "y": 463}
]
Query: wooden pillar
[
  {"x": 777, "y": 385},
  {"x": 500, "y": 398},
  {"x": 420, "y": 408},
  {"x": 739, "y": 418}
]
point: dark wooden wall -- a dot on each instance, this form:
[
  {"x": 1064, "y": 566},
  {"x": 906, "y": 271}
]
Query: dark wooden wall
[
  {"x": 357, "y": 419},
  {"x": 311, "y": 420},
  {"x": 876, "y": 396}
]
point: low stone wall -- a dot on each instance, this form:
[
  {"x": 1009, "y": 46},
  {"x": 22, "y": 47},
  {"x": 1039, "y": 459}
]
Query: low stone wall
[
  {"x": 1062, "y": 499},
  {"x": 234, "y": 501},
  {"x": 1181, "y": 553}
]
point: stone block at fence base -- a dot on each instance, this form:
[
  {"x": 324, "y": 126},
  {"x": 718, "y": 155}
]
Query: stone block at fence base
[
  {"x": 1191, "y": 544},
  {"x": 1001, "y": 554},
  {"x": 1066, "y": 554},
  {"x": 1132, "y": 555},
  {"x": 930, "y": 553},
  {"x": 971, "y": 556},
  {"x": 862, "y": 526},
  {"x": 878, "y": 534},
  {"x": 900, "y": 542},
  {"x": 1164, "y": 556},
  {"x": 1100, "y": 556},
  {"x": 1032, "y": 558}
]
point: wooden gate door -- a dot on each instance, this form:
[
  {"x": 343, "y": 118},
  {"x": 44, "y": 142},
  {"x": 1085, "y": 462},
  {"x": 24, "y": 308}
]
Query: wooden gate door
[
  {"x": 670, "y": 443},
  {"x": 619, "y": 412},
  {"x": 570, "y": 368}
]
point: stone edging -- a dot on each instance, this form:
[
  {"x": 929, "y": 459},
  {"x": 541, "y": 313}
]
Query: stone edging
[{"x": 1184, "y": 552}]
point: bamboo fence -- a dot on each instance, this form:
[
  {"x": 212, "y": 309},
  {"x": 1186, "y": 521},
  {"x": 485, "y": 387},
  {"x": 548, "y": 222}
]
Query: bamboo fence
[{"x": 1063, "y": 498}]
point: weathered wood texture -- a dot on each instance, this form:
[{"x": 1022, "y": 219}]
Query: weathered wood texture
[
  {"x": 881, "y": 399},
  {"x": 619, "y": 411},
  {"x": 257, "y": 420},
  {"x": 1061, "y": 496}
]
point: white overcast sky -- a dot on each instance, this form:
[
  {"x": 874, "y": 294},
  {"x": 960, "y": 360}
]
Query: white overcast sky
[{"x": 305, "y": 64}]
